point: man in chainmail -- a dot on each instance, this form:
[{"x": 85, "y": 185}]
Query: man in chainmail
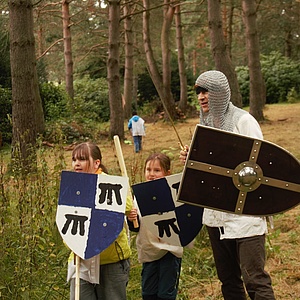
[{"x": 238, "y": 241}]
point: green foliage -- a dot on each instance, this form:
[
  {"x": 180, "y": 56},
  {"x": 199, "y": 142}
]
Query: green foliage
[
  {"x": 175, "y": 79},
  {"x": 91, "y": 100},
  {"x": 42, "y": 70},
  {"x": 33, "y": 255},
  {"x": 5, "y": 77},
  {"x": 280, "y": 73},
  {"x": 271, "y": 248},
  {"x": 293, "y": 96},
  {"x": 5, "y": 115},
  {"x": 146, "y": 88},
  {"x": 147, "y": 91},
  {"x": 243, "y": 80},
  {"x": 69, "y": 131},
  {"x": 193, "y": 99},
  {"x": 54, "y": 101},
  {"x": 75, "y": 119}
]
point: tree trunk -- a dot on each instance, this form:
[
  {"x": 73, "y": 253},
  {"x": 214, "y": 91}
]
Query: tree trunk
[
  {"x": 257, "y": 86},
  {"x": 288, "y": 28},
  {"x": 230, "y": 24},
  {"x": 67, "y": 48},
  {"x": 169, "y": 103},
  {"x": 27, "y": 111},
  {"x": 128, "y": 75},
  {"x": 113, "y": 75},
  {"x": 181, "y": 62},
  {"x": 219, "y": 50},
  {"x": 151, "y": 63},
  {"x": 159, "y": 82}
]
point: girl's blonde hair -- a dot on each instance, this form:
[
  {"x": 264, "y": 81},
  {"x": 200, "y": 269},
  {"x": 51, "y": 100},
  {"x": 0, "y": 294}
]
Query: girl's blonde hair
[{"x": 87, "y": 150}]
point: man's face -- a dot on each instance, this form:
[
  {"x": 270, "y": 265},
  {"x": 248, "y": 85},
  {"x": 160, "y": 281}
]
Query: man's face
[{"x": 203, "y": 100}]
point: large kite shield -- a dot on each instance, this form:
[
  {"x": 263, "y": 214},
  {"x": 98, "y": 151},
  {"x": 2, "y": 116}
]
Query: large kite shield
[
  {"x": 90, "y": 212},
  {"x": 238, "y": 174},
  {"x": 169, "y": 220}
]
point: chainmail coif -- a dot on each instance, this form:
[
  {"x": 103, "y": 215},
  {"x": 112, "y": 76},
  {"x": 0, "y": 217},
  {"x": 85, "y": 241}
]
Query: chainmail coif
[{"x": 222, "y": 113}]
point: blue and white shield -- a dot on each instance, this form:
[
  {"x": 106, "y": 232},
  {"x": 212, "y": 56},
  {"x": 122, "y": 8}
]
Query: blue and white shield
[
  {"x": 90, "y": 212},
  {"x": 163, "y": 216}
]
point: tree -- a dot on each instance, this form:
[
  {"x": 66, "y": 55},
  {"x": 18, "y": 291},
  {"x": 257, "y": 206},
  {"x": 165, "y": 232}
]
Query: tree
[
  {"x": 220, "y": 52},
  {"x": 113, "y": 75},
  {"x": 162, "y": 83},
  {"x": 168, "y": 100},
  {"x": 181, "y": 61},
  {"x": 129, "y": 60},
  {"x": 278, "y": 27},
  {"x": 27, "y": 112},
  {"x": 67, "y": 48},
  {"x": 257, "y": 86}
]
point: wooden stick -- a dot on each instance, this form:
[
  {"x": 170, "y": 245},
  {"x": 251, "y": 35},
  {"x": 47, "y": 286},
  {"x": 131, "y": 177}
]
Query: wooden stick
[
  {"x": 77, "y": 279},
  {"x": 123, "y": 169}
]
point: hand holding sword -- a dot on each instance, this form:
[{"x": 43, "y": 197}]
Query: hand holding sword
[{"x": 183, "y": 153}]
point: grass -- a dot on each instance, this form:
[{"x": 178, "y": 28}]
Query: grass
[{"x": 34, "y": 257}]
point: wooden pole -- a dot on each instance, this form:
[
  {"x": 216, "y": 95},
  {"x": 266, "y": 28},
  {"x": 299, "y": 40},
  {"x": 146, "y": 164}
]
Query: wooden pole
[
  {"x": 77, "y": 278},
  {"x": 123, "y": 169}
]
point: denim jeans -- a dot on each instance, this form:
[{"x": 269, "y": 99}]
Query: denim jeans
[
  {"x": 137, "y": 140},
  {"x": 160, "y": 278},
  {"x": 113, "y": 281},
  {"x": 241, "y": 261}
]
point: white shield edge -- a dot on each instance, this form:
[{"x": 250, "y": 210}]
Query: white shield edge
[
  {"x": 76, "y": 244},
  {"x": 171, "y": 179}
]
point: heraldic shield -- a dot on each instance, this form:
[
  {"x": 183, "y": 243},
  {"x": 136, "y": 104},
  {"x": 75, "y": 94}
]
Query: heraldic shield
[
  {"x": 90, "y": 212},
  {"x": 172, "y": 222},
  {"x": 238, "y": 174}
]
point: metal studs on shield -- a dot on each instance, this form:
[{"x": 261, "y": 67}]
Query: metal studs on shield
[{"x": 239, "y": 174}]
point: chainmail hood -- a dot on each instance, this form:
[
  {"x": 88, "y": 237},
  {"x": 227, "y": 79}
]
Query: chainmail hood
[{"x": 222, "y": 113}]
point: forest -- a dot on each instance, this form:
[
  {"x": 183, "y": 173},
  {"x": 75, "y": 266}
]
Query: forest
[
  {"x": 141, "y": 55},
  {"x": 74, "y": 70}
]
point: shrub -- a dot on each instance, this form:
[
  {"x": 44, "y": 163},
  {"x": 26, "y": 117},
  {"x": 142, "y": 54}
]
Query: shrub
[
  {"x": 33, "y": 254},
  {"x": 91, "y": 100},
  {"x": 280, "y": 73},
  {"x": 54, "y": 101},
  {"x": 74, "y": 119},
  {"x": 243, "y": 80},
  {"x": 293, "y": 96},
  {"x": 5, "y": 115}
]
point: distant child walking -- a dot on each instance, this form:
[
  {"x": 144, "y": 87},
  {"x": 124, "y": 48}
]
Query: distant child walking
[
  {"x": 161, "y": 261},
  {"x": 136, "y": 125},
  {"x": 113, "y": 263}
]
